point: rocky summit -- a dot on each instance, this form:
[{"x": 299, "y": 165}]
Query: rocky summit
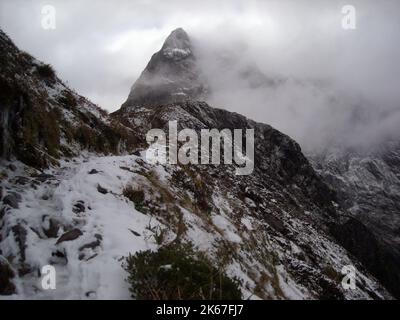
[{"x": 172, "y": 75}]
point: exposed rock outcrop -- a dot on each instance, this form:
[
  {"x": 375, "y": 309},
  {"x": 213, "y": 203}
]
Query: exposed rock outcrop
[{"x": 172, "y": 75}]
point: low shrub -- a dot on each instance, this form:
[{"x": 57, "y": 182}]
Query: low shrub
[
  {"x": 134, "y": 195},
  {"x": 68, "y": 100},
  {"x": 46, "y": 71},
  {"x": 177, "y": 272}
]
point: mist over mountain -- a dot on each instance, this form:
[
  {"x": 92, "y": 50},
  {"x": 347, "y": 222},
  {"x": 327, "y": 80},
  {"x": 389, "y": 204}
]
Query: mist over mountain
[
  {"x": 78, "y": 193},
  {"x": 327, "y": 75},
  {"x": 319, "y": 95}
]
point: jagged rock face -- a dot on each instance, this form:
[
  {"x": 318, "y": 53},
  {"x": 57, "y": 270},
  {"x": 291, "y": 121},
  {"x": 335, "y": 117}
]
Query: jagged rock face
[
  {"x": 275, "y": 153},
  {"x": 171, "y": 75},
  {"x": 368, "y": 186},
  {"x": 292, "y": 206},
  {"x": 281, "y": 171},
  {"x": 42, "y": 120}
]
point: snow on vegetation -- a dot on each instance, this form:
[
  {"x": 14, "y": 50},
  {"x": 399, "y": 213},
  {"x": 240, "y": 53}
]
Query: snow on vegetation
[{"x": 83, "y": 219}]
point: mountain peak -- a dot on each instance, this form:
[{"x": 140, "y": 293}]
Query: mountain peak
[
  {"x": 171, "y": 75},
  {"x": 178, "y": 38},
  {"x": 177, "y": 46}
]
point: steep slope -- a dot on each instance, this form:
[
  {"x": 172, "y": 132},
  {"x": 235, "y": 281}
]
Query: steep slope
[
  {"x": 368, "y": 186},
  {"x": 268, "y": 229},
  {"x": 41, "y": 119},
  {"x": 272, "y": 229},
  {"x": 283, "y": 194},
  {"x": 277, "y": 219},
  {"x": 171, "y": 75}
]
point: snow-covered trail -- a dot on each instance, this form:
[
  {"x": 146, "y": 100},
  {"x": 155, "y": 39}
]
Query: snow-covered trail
[
  {"x": 75, "y": 218},
  {"x": 90, "y": 265}
]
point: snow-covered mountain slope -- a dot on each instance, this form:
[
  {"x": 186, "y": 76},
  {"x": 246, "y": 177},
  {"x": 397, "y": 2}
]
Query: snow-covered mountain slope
[
  {"x": 171, "y": 75},
  {"x": 276, "y": 229},
  {"x": 77, "y": 218},
  {"x": 66, "y": 201},
  {"x": 368, "y": 186},
  {"x": 41, "y": 119},
  {"x": 283, "y": 194}
]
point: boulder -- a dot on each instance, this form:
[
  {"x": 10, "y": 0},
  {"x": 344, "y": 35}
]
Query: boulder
[
  {"x": 20, "y": 234},
  {"x": 101, "y": 189},
  {"x": 12, "y": 200},
  {"x": 70, "y": 235},
  {"x": 53, "y": 227}
]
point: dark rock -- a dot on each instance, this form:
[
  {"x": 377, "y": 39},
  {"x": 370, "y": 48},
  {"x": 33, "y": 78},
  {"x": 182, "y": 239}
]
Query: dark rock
[
  {"x": 12, "y": 200},
  {"x": 59, "y": 257},
  {"x": 6, "y": 274},
  {"x": 91, "y": 245},
  {"x": 36, "y": 231},
  {"x": 275, "y": 223},
  {"x": 91, "y": 294},
  {"x": 54, "y": 227},
  {"x": 371, "y": 251},
  {"x": 12, "y": 167},
  {"x": 24, "y": 269},
  {"x": 78, "y": 207},
  {"x": 22, "y": 180},
  {"x": 93, "y": 171},
  {"x": 59, "y": 254},
  {"x": 134, "y": 233},
  {"x": 3, "y": 211},
  {"x": 328, "y": 290},
  {"x": 20, "y": 234},
  {"x": 92, "y": 257},
  {"x": 70, "y": 235},
  {"x": 367, "y": 183},
  {"x": 98, "y": 236},
  {"x": 44, "y": 177},
  {"x": 101, "y": 189}
]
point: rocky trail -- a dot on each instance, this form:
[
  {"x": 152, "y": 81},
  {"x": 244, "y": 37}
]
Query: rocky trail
[{"x": 62, "y": 218}]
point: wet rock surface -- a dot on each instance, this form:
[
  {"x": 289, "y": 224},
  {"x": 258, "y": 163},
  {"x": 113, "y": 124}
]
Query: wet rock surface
[
  {"x": 13, "y": 200},
  {"x": 70, "y": 236}
]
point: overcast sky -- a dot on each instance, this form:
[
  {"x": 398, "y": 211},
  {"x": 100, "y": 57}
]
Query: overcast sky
[{"x": 100, "y": 47}]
